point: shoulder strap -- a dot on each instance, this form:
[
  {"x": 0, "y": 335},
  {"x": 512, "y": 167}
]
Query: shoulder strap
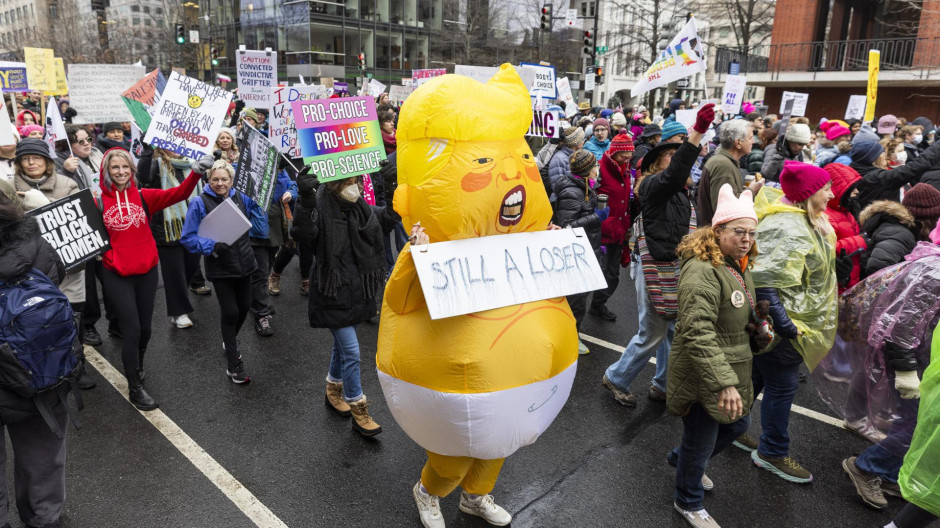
[{"x": 143, "y": 203}]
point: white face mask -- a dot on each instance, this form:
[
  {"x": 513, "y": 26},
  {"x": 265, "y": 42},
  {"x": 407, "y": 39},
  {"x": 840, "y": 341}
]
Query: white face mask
[
  {"x": 902, "y": 157},
  {"x": 350, "y": 193},
  {"x": 918, "y": 138}
]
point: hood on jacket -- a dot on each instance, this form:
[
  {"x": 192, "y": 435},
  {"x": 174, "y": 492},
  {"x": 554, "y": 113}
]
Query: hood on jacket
[
  {"x": 882, "y": 210},
  {"x": 19, "y": 117},
  {"x": 107, "y": 187},
  {"x": 844, "y": 179},
  {"x": 13, "y": 234},
  {"x": 674, "y": 105}
]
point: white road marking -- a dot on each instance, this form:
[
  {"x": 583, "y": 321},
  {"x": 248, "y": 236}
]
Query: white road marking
[
  {"x": 825, "y": 418},
  {"x": 244, "y": 500}
]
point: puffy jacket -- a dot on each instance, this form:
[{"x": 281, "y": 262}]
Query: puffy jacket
[
  {"x": 848, "y": 233},
  {"x": 573, "y": 210},
  {"x": 753, "y": 161},
  {"x": 720, "y": 169},
  {"x": 615, "y": 183},
  {"x": 559, "y": 167},
  {"x": 665, "y": 204},
  {"x": 885, "y": 184},
  {"x": 772, "y": 165},
  {"x": 890, "y": 226},
  {"x": 236, "y": 261},
  {"x": 598, "y": 148},
  {"x": 711, "y": 350}
]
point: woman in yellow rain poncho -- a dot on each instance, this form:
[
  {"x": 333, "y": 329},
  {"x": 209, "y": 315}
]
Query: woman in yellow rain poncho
[
  {"x": 470, "y": 389},
  {"x": 796, "y": 273}
]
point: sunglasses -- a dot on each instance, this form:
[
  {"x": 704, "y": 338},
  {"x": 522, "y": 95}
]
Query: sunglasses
[{"x": 86, "y": 141}]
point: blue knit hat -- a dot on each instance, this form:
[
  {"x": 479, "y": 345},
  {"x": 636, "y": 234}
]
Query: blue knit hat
[
  {"x": 606, "y": 113},
  {"x": 866, "y": 151},
  {"x": 672, "y": 128}
]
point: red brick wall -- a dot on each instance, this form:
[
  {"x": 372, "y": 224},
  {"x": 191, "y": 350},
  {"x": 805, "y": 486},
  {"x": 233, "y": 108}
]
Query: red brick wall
[
  {"x": 797, "y": 25},
  {"x": 929, "y": 28},
  {"x": 906, "y": 102}
]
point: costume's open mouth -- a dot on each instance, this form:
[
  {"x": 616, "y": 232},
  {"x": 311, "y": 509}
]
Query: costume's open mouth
[{"x": 510, "y": 213}]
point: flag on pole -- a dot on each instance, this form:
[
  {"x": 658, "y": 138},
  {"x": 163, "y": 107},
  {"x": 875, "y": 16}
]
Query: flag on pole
[
  {"x": 681, "y": 58},
  {"x": 223, "y": 78},
  {"x": 55, "y": 127},
  {"x": 6, "y": 128}
]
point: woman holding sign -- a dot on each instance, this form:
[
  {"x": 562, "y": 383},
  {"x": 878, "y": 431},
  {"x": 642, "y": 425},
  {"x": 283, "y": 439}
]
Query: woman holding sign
[{"x": 130, "y": 266}]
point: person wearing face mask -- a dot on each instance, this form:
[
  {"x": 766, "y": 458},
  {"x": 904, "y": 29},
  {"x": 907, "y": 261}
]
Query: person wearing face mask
[
  {"x": 349, "y": 269},
  {"x": 894, "y": 150},
  {"x": 880, "y": 183},
  {"x": 228, "y": 266},
  {"x": 913, "y": 136},
  {"x": 130, "y": 266},
  {"x": 843, "y": 211},
  {"x": 7, "y": 156}
]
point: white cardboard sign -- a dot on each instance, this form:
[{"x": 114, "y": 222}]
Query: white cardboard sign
[
  {"x": 6, "y": 128},
  {"x": 225, "y": 224},
  {"x": 564, "y": 94},
  {"x": 476, "y": 274},
  {"x": 188, "y": 117},
  {"x": 733, "y": 96},
  {"x": 95, "y": 91},
  {"x": 257, "y": 77},
  {"x": 485, "y": 73},
  {"x": 856, "y": 108},
  {"x": 282, "y": 131},
  {"x": 544, "y": 82},
  {"x": 799, "y": 103},
  {"x": 397, "y": 93}
]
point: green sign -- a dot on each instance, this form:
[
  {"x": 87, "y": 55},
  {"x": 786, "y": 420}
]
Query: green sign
[{"x": 602, "y": 49}]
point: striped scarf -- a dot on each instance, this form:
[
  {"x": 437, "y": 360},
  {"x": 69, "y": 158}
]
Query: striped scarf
[{"x": 662, "y": 278}]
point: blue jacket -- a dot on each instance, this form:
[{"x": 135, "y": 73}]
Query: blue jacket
[
  {"x": 598, "y": 148},
  {"x": 783, "y": 352},
  {"x": 197, "y": 211}
]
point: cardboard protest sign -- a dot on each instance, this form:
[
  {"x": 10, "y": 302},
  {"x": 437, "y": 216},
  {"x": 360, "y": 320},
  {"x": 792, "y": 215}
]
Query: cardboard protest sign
[
  {"x": 188, "y": 117},
  {"x": 799, "y": 103},
  {"x": 476, "y": 274},
  {"x": 856, "y": 107},
  {"x": 340, "y": 88},
  {"x": 257, "y": 166},
  {"x": 13, "y": 77},
  {"x": 257, "y": 77},
  {"x": 545, "y": 123},
  {"x": 142, "y": 96},
  {"x": 733, "y": 96},
  {"x": 397, "y": 94},
  {"x": 787, "y": 113},
  {"x": 544, "y": 82},
  {"x": 40, "y": 68},
  {"x": 686, "y": 118},
  {"x": 340, "y": 137},
  {"x": 61, "y": 83},
  {"x": 681, "y": 58},
  {"x": 226, "y": 223},
  {"x": 376, "y": 88},
  {"x": 73, "y": 227},
  {"x": 564, "y": 94},
  {"x": 874, "y": 65},
  {"x": 95, "y": 91},
  {"x": 6, "y": 128},
  {"x": 420, "y": 77},
  {"x": 282, "y": 131}
]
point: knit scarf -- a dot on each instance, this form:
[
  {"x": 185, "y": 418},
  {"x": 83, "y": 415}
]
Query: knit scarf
[
  {"x": 175, "y": 215},
  {"x": 348, "y": 227}
]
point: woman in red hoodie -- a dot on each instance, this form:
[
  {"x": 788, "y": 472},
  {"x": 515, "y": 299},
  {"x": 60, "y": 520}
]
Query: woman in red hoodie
[
  {"x": 615, "y": 183},
  {"x": 130, "y": 266},
  {"x": 843, "y": 212}
]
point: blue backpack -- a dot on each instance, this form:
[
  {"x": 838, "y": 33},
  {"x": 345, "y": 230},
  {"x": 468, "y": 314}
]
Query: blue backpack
[{"x": 40, "y": 350}]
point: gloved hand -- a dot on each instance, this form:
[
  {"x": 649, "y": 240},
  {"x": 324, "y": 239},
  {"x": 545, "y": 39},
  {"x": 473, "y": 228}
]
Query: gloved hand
[
  {"x": 239, "y": 106},
  {"x": 219, "y": 247},
  {"x": 203, "y": 164},
  {"x": 33, "y": 199},
  {"x": 307, "y": 188},
  {"x": 146, "y": 151},
  {"x": 704, "y": 118},
  {"x": 844, "y": 267},
  {"x": 907, "y": 383},
  {"x": 602, "y": 213}
]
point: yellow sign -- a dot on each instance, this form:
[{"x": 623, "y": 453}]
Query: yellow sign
[
  {"x": 61, "y": 84},
  {"x": 40, "y": 69},
  {"x": 874, "y": 63}
]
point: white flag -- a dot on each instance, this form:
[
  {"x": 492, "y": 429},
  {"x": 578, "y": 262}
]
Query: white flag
[
  {"x": 682, "y": 58},
  {"x": 55, "y": 127},
  {"x": 136, "y": 142},
  {"x": 6, "y": 128}
]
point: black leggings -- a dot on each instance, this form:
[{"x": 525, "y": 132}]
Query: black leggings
[
  {"x": 234, "y": 297},
  {"x": 285, "y": 254},
  {"x": 132, "y": 299},
  {"x": 912, "y": 516},
  {"x": 178, "y": 268}
]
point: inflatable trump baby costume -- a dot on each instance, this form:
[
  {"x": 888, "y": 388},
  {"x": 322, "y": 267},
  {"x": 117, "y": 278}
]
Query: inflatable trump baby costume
[{"x": 470, "y": 389}]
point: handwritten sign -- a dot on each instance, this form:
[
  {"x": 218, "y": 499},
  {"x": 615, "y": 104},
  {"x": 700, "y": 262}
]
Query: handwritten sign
[
  {"x": 544, "y": 124},
  {"x": 544, "y": 82},
  {"x": 564, "y": 94},
  {"x": 13, "y": 77},
  {"x": 188, "y": 117},
  {"x": 257, "y": 167},
  {"x": 73, "y": 227},
  {"x": 476, "y": 274},
  {"x": 257, "y": 78},
  {"x": 340, "y": 137},
  {"x": 856, "y": 107},
  {"x": 799, "y": 103},
  {"x": 281, "y": 129},
  {"x": 420, "y": 77},
  {"x": 61, "y": 83},
  {"x": 397, "y": 94},
  {"x": 95, "y": 91},
  {"x": 733, "y": 96},
  {"x": 40, "y": 68}
]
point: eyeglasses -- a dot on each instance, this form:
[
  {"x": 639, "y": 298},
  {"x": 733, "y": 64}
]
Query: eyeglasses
[
  {"x": 86, "y": 141},
  {"x": 741, "y": 233}
]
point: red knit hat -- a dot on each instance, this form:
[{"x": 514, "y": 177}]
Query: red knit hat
[
  {"x": 923, "y": 201},
  {"x": 620, "y": 143},
  {"x": 800, "y": 180}
]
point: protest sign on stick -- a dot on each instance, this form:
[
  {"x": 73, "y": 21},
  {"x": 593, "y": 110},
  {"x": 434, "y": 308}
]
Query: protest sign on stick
[
  {"x": 733, "y": 96},
  {"x": 282, "y": 130},
  {"x": 874, "y": 66},
  {"x": 13, "y": 77},
  {"x": 55, "y": 127},
  {"x": 257, "y": 77},
  {"x": 398, "y": 94},
  {"x": 340, "y": 137},
  {"x": 141, "y": 98},
  {"x": 544, "y": 80},
  {"x": 96, "y": 91},
  {"x": 420, "y": 77},
  {"x": 40, "y": 68},
  {"x": 257, "y": 166},
  {"x": 545, "y": 123},
  {"x": 799, "y": 103},
  {"x": 61, "y": 83},
  {"x": 856, "y": 107},
  {"x": 73, "y": 227},
  {"x": 188, "y": 117}
]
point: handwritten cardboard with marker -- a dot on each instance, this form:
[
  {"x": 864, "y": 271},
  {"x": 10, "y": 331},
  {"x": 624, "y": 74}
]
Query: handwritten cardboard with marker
[
  {"x": 282, "y": 129},
  {"x": 188, "y": 117},
  {"x": 257, "y": 77},
  {"x": 476, "y": 274},
  {"x": 95, "y": 90},
  {"x": 73, "y": 227},
  {"x": 340, "y": 137}
]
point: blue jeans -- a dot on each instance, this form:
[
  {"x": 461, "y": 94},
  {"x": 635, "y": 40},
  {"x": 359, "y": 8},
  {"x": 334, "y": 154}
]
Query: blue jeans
[
  {"x": 884, "y": 459},
  {"x": 702, "y": 438},
  {"x": 779, "y": 382},
  {"x": 654, "y": 336},
  {"x": 344, "y": 364}
]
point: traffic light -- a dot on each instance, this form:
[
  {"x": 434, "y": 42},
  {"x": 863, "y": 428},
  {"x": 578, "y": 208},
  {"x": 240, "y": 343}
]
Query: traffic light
[
  {"x": 180, "y": 34},
  {"x": 362, "y": 62},
  {"x": 214, "y": 53},
  {"x": 598, "y": 75},
  {"x": 546, "y": 24},
  {"x": 589, "y": 39}
]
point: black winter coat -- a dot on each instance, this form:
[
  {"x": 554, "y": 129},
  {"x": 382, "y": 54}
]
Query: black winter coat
[
  {"x": 572, "y": 210},
  {"x": 890, "y": 226},
  {"x": 885, "y": 184},
  {"x": 664, "y": 202},
  {"x": 237, "y": 260}
]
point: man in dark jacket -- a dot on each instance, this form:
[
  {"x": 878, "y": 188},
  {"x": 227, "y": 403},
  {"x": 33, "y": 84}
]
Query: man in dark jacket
[
  {"x": 648, "y": 139},
  {"x": 879, "y": 183},
  {"x": 723, "y": 168}
]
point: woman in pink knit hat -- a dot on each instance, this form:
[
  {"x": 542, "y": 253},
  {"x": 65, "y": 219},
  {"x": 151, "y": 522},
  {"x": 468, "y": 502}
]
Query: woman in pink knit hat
[{"x": 719, "y": 329}]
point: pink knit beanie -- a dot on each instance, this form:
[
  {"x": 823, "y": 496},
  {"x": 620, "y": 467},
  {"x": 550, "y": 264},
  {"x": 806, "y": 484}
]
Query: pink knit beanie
[
  {"x": 732, "y": 208},
  {"x": 800, "y": 180}
]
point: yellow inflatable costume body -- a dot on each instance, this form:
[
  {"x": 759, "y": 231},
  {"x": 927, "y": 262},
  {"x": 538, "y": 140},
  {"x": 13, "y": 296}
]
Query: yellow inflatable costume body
[{"x": 471, "y": 389}]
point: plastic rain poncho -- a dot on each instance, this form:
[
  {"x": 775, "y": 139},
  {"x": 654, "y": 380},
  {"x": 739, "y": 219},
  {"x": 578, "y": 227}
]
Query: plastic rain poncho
[
  {"x": 900, "y": 304},
  {"x": 920, "y": 474},
  {"x": 800, "y": 263}
]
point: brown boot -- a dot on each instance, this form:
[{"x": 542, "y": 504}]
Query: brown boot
[
  {"x": 334, "y": 399},
  {"x": 362, "y": 422},
  {"x": 274, "y": 284}
]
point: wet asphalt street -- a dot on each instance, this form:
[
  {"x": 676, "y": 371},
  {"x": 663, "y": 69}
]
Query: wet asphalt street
[{"x": 288, "y": 461}]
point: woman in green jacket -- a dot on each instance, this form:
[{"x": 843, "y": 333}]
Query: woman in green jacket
[{"x": 709, "y": 382}]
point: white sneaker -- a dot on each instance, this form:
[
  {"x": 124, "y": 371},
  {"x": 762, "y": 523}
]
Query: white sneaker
[
  {"x": 698, "y": 519},
  {"x": 707, "y": 483},
  {"x": 182, "y": 321},
  {"x": 483, "y": 506},
  {"x": 429, "y": 508}
]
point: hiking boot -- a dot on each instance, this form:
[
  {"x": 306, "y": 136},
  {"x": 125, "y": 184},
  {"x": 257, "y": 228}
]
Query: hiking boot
[
  {"x": 429, "y": 508},
  {"x": 182, "y": 321},
  {"x": 707, "y": 483},
  {"x": 582, "y": 348},
  {"x": 746, "y": 442},
  {"x": 891, "y": 488},
  {"x": 237, "y": 374},
  {"x": 304, "y": 287},
  {"x": 623, "y": 397},
  {"x": 201, "y": 290},
  {"x": 656, "y": 394},
  {"x": 85, "y": 381},
  {"x": 263, "y": 326},
  {"x": 362, "y": 422},
  {"x": 483, "y": 506},
  {"x": 90, "y": 336},
  {"x": 785, "y": 468},
  {"x": 334, "y": 399},
  {"x": 604, "y": 313},
  {"x": 867, "y": 485},
  {"x": 274, "y": 284},
  {"x": 698, "y": 518}
]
